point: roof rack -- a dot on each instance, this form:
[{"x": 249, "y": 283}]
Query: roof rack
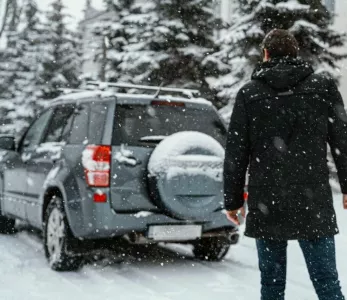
[
  {"x": 69, "y": 91},
  {"x": 105, "y": 85}
]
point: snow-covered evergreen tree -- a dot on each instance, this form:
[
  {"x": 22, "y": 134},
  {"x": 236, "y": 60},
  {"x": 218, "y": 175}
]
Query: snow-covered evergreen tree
[
  {"x": 28, "y": 95},
  {"x": 163, "y": 42},
  {"x": 308, "y": 20},
  {"x": 39, "y": 58},
  {"x": 139, "y": 57},
  {"x": 61, "y": 58},
  {"x": 186, "y": 33},
  {"x": 111, "y": 37},
  {"x": 9, "y": 60},
  {"x": 21, "y": 61},
  {"x": 4, "y": 9},
  {"x": 9, "y": 63}
]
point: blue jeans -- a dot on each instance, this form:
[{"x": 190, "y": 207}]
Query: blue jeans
[{"x": 320, "y": 260}]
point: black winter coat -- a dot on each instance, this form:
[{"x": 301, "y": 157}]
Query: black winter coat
[{"x": 280, "y": 127}]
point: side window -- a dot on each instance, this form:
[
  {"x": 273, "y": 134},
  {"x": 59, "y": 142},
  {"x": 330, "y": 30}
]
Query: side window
[
  {"x": 79, "y": 130},
  {"x": 98, "y": 114},
  {"x": 60, "y": 124},
  {"x": 67, "y": 129},
  {"x": 34, "y": 134}
]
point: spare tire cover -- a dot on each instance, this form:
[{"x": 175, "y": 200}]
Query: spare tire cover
[{"x": 186, "y": 175}]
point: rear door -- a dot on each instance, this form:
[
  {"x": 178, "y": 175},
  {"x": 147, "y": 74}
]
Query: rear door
[
  {"x": 137, "y": 131},
  {"x": 46, "y": 156},
  {"x": 130, "y": 156},
  {"x": 16, "y": 176}
]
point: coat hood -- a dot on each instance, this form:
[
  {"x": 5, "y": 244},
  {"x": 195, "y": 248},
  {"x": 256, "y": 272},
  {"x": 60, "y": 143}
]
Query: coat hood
[{"x": 282, "y": 74}]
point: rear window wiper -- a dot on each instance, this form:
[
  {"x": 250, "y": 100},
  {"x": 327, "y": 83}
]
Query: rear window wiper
[{"x": 153, "y": 138}]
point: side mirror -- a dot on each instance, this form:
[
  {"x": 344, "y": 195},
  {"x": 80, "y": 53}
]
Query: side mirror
[{"x": 7, "y": 142}]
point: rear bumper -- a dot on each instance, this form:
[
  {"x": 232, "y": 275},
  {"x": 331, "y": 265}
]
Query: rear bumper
[
  {"x": 103, "y": 222},
  {"x": 90, "y": 220}
]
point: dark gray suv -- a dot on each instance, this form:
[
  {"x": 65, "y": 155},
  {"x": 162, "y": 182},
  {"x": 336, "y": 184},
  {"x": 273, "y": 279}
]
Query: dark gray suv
[{"x": 101, "y": 165}]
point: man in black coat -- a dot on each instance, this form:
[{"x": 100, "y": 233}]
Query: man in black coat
[{"x": 282, "y": 121}]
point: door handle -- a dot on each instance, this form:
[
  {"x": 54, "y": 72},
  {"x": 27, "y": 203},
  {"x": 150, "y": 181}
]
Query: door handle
[
  {"x": 132, "y": 161},
  {"x": 127, "y": 159}
]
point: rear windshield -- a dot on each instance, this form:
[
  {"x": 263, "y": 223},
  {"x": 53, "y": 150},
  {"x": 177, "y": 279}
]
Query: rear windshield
[{"x": 139, "y": 125}]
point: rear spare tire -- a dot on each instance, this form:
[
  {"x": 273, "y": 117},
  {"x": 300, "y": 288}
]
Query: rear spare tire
[{"x": 185, "y": 175}]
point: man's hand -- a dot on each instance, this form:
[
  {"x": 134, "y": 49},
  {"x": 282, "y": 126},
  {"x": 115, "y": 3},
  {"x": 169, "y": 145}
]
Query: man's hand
[
  {"x": 345, "y": 201},
  {"x": 233, "y": 215}
]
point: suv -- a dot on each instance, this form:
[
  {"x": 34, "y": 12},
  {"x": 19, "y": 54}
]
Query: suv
[{"x": 100, "y": 165}]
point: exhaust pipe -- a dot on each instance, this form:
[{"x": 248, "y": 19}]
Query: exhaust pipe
[
  {"x": 234, "y": 238},
  {"x": 137, "y": 239}
]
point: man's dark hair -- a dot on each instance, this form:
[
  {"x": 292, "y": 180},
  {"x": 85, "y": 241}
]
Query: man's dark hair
[{"x": 281, "y": 43}]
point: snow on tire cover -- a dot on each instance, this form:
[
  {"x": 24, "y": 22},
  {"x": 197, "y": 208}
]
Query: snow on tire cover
[{"x": 185, "y": 172}]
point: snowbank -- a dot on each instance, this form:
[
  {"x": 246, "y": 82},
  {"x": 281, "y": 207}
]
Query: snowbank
[{"x": 154, "y": 273}]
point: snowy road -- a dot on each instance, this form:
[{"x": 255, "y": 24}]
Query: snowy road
[{"x": 152, "y": 275}]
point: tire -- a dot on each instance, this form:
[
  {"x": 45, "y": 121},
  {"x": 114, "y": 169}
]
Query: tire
[
  {"x": 7, "y": 225},
  {"x": 211, "y": 249},
  {"x": 185, "y": 174},
  {"x": 58, "y": 237}
]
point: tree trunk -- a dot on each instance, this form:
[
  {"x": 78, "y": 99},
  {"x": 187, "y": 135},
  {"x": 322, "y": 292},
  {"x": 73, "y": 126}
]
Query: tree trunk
[
  {"x": 5, "y": 4},
  {"x": 104, "y": 60},
  {"x": 13, "y": 22}
]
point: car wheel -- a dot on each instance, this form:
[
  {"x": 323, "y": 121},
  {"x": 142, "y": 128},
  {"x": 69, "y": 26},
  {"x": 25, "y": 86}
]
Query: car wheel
[
  {"x": 7, "y": 225},
  {"x": 212, "y": 249},
  {"x": 57, "y": 238}
]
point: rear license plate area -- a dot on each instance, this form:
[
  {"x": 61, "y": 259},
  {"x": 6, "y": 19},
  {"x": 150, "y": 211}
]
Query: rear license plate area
[{"x": 174, "y": 232}]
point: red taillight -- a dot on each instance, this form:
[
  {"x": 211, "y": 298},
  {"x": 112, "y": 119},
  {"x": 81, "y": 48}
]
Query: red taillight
[
  {"x": 167, "y": 103},
  {"x": 245, "y": 196},
  {"x": 96, "y": 161},
  {"x": 100, "y": 198}
]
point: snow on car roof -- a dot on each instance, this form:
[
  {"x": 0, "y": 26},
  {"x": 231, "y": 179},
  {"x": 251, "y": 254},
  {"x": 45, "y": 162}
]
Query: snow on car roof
[
  {"x": 84, "y": 95},
  {"x": 126, "y": 98},
  {"x": 144, "y": 97}
]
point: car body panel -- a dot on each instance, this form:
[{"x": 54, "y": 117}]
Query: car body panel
[
  {"x": 14, "y": 200},
  {"x": 129, "y": 188},
  {"x": 30, "y": 174},
  {"x": 39, "y": 167}
]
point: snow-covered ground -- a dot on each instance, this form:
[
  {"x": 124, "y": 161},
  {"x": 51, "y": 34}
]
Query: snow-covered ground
[{"x": 156, "y": 274}]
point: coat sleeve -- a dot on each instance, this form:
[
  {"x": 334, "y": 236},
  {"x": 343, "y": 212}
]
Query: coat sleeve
[
  {"x": 236, "y": 156},
  {"x": 337, "y": 138}
]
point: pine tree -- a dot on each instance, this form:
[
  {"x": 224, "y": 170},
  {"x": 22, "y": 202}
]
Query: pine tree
[
  {"x": 8, "y": 67},
  {"x": 20, "y": 97},
  {"x": 10, "y": 12},
  {"x": 9, "y": 63},
  {"x": 164, "y": 42},
  {"x": 308, "y": 20},
  {"x": 186, "y": 32},
  {"x": 4, "y": 12},
  {"x": 111, "y": 37},
  {"x": 139, "y": 55},
  {"x": 61, "y": 58},
  {"x": 28, "y": 94}
]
